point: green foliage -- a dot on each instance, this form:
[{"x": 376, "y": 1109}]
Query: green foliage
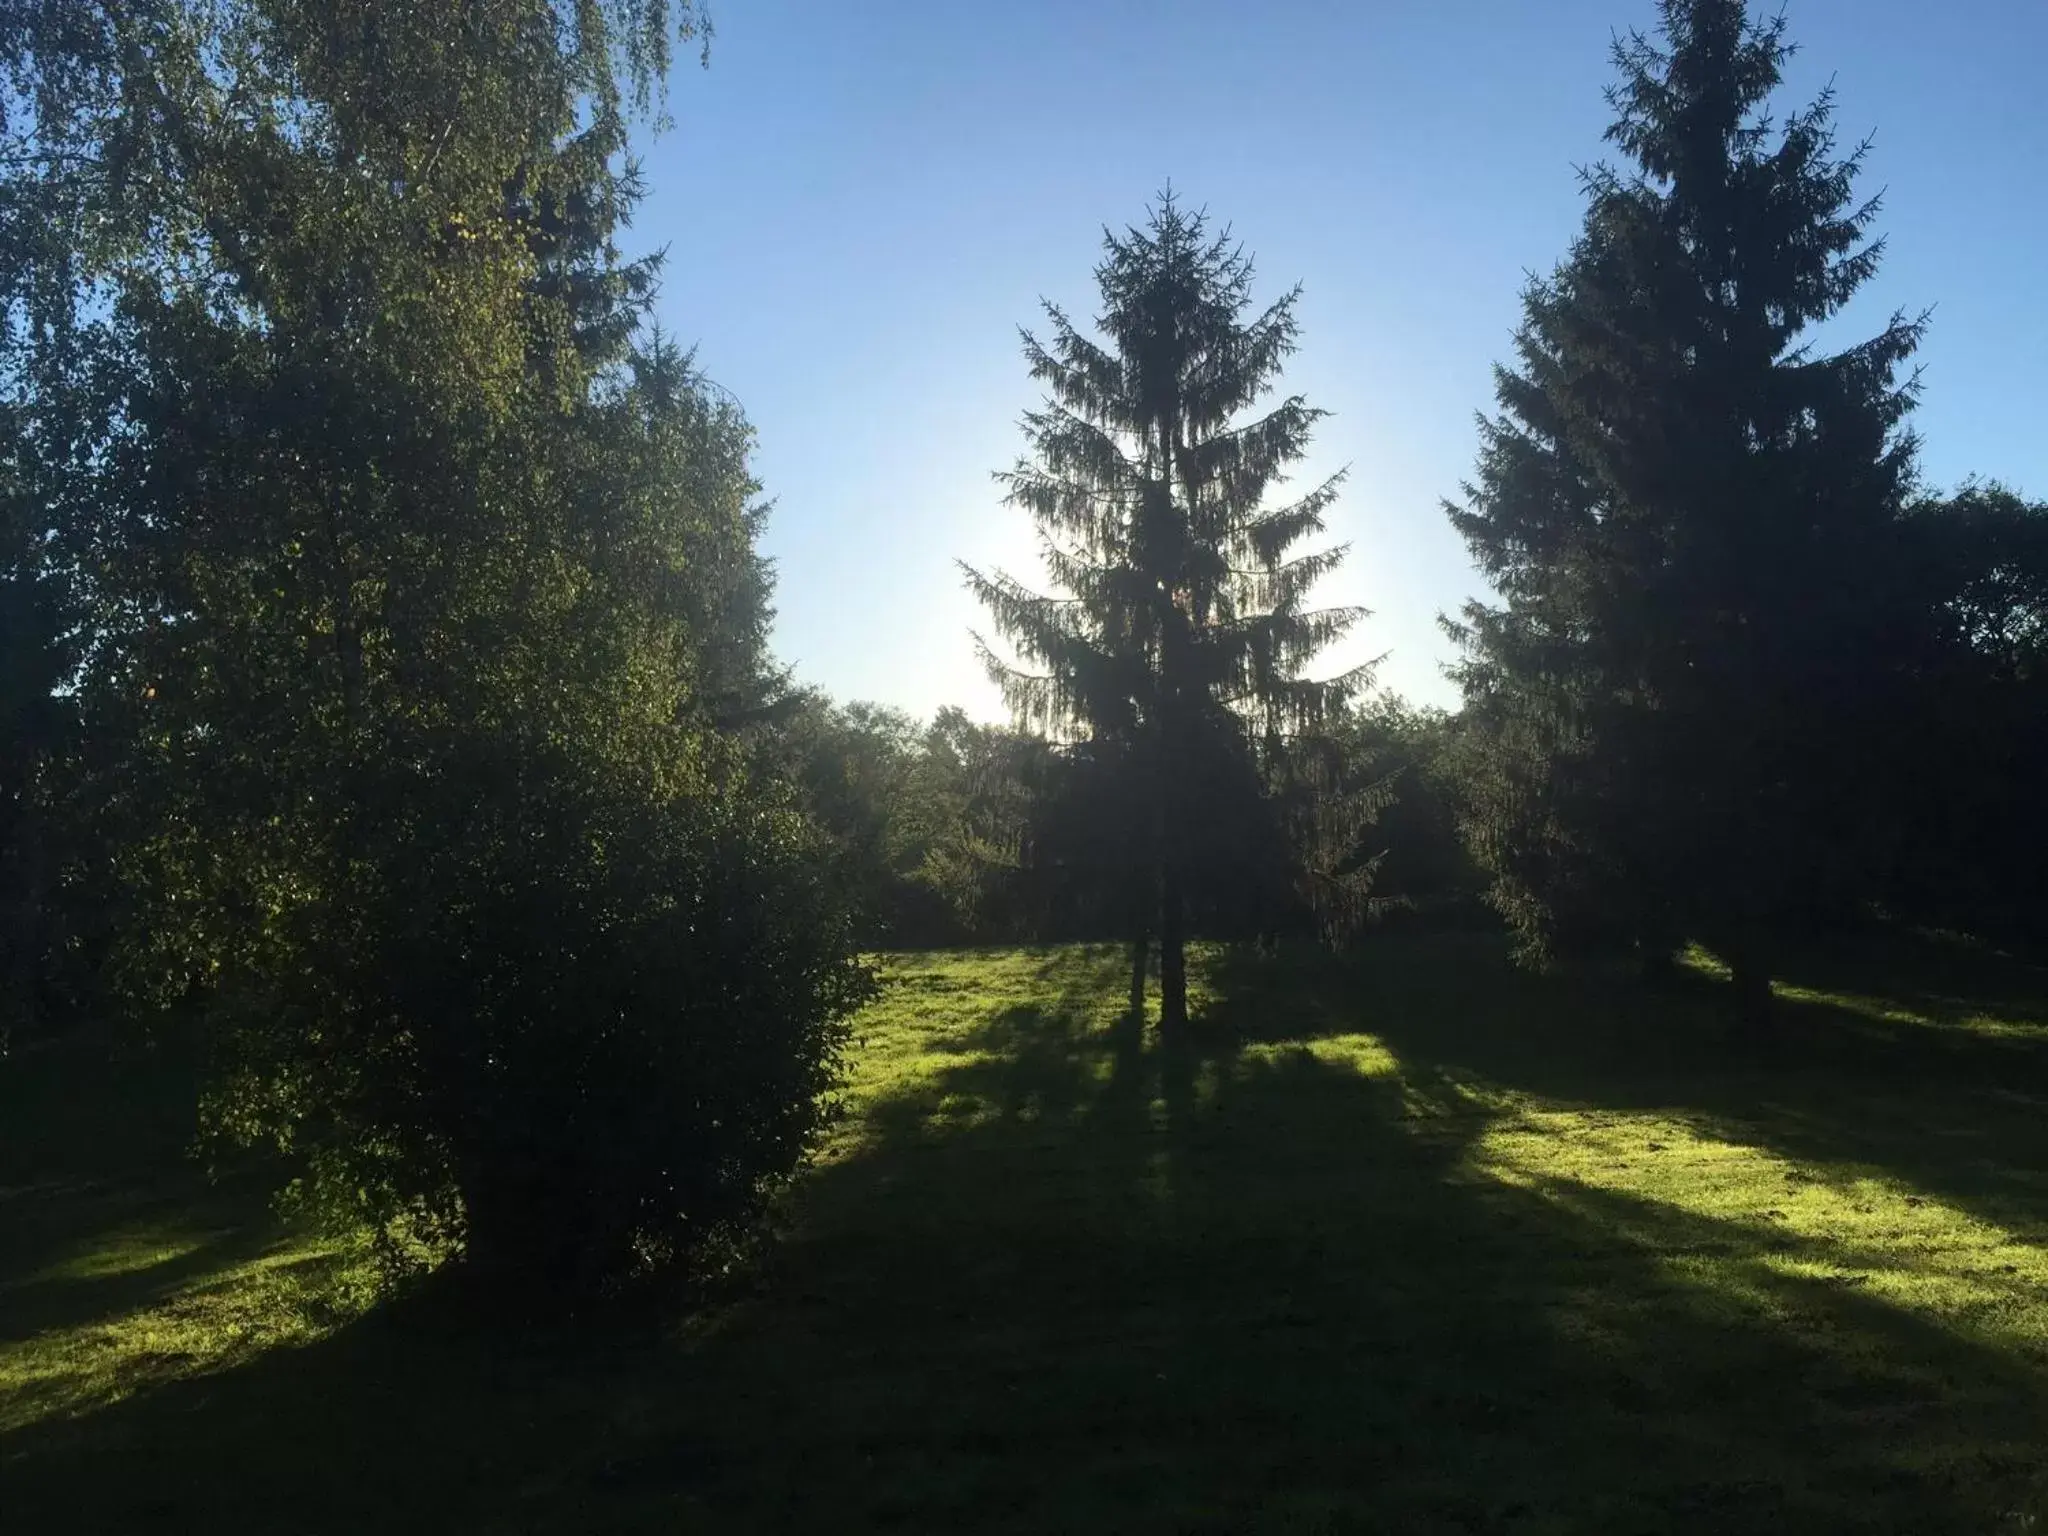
[
  {"x": 1980, "y": 750},
  {"x": 931, "y": 824},
  {"x": 856, "y": 764},
  {"x": 1985, "y": 551},
  {"x": 37, "y": 730},
  {"x": 420, "y": 588},
  {"x": 1694, "y": 521},
  {"x": 577, "y": 1029},
  {"x": 47, "y": 415},
  {"x": 1411, "y": 757},
  {"x": 975, "y": 790},
  {"x": 1177, "y": 634}
]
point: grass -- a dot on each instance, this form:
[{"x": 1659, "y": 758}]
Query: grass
[{"x": 1415, "y": 1243}]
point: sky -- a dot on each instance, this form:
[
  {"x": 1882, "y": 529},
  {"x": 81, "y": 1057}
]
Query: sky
[{"x": 861, "y": 204}]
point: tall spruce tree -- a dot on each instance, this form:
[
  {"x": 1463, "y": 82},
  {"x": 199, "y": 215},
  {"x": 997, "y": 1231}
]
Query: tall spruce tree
[
  {"x": 1176, "y": 637},
  {"x": 1692, "y": 519}
]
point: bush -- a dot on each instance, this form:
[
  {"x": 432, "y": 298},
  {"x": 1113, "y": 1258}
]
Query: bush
[{"x": 572, "y": 1029}]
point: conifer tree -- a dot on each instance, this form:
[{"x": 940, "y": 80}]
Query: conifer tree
[
  {"x": 1692, "y": 518},
  {"x": 1176, "y": 636}
]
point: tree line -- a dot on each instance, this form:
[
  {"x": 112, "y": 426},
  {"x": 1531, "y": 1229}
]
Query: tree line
[{"x": 391, "y": 720}]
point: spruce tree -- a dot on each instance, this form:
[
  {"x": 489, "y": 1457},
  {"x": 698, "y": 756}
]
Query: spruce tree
[
  {"x": 1176, "y": 636},
  {"x": 1692, "y": 519}
]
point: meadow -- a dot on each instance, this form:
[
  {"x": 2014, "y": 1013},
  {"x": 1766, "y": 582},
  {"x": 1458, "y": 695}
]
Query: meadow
[{"x": 1406, "y": 1241}]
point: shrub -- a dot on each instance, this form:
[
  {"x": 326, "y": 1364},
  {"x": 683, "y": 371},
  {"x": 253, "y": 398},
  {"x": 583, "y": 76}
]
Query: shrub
[{"x": 572, "y": 1030}]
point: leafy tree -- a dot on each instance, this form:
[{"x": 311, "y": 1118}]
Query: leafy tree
[
  {"x": 51, "y": 413},
  {"x": 1978, "y": 743},
  {"x": 932, "y": 824},
  {"x": 973, "y": 795},
  {"x": 1419, "y": 859},
  {"x": 418, "y": 583},
  {"x": 1176, "y": 636},
  {"x": 36, "y": 731},
  {"x": 1692, "y": 518},
  {"x": 687, "y": 462},
  {"x": 1985, "y": 551},
  {"x": 855, "y": 764}
]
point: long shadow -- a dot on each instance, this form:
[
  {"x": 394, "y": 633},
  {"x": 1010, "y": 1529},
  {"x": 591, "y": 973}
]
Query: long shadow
[
  {"x": 1944, "y": 978},
  {"x": 1955, "y": 1112},
  {"x": 1076, "y": 1280},
  {"x": 102, "y": 1208},
  {"x": 166, "y": 1264},
  {"x": 1239, "y": 1287}
]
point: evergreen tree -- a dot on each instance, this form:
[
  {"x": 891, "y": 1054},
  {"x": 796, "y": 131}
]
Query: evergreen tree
[
  {"x": 1692, "y": 519},
  {"x": 1176, "y": 636}
]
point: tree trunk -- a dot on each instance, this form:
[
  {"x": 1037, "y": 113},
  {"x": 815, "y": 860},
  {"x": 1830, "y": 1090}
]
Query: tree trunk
[
  {"x": 1752, "y": 982},
  {"x": 1173, "y": 960},
  {"x": 1141, "y": 961},
  {"x": 23, "y": 944}
]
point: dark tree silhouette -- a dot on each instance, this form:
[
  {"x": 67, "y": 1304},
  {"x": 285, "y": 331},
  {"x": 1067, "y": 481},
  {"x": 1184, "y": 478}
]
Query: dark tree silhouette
[
  {"x": 1978, "y": 744},
  {"x": 1177, "y": 636},
  {"x": 1692, "y": 519}
]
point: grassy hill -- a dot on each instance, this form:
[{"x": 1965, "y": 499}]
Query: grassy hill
[{"x": 1410, "y": 1243}]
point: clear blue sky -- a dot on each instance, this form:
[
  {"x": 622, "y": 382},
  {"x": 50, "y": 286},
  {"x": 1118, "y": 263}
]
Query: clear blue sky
[{"x": 862, "y": 202}]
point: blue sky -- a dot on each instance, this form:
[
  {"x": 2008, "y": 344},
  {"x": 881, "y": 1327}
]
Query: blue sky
[{"x": 861, "y": 204}]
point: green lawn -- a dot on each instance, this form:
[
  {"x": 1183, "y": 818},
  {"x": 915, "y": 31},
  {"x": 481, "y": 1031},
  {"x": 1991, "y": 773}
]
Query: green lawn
[{"x": 1412, "y": 1244}]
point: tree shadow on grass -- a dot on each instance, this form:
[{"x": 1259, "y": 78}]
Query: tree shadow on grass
[
  {"x": 102, "y": 1208},
  {"x": 1957, "y": 1112},
  {"x": 1237, "y": 1287},
  {"x": 1944, "y": 979},
  {"x": 121, "y": 1269},
  {"x": 1078, "y": 1280}
]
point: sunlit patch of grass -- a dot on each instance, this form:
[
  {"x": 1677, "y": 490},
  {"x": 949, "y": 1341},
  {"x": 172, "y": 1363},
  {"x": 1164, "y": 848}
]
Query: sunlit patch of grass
[
  {"x": 1877, "y": 1009},
  {"x": 1740, "y": 1206},
  {"x": 298, "y": 1292},
  {"x": 120, "y": 1252},
  {"x": 1958, "y": 1018},
  {"x": 1364, "y": 1055},
  {"x": 942, "y": 1010},
  {"x": 1411, "y": 1243},
  {"x": 1927, "y": 1011}
]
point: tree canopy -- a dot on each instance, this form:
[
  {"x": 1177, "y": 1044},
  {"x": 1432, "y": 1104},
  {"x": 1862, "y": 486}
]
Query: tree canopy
[
  {"x": 1177, "y": 635},
  {"x": 416, "y": 588},
  {"x": 1692, "y": 518}
]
